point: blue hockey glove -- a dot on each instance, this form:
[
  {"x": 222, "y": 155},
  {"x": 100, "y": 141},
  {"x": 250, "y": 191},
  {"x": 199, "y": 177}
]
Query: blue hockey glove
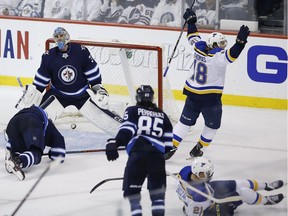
[
  {"x": 242, "y": 35},
  {"x": 111, "y": 150},
  {"x": 190, "y": 16}
]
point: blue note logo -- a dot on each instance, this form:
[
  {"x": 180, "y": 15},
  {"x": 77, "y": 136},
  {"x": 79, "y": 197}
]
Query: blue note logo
[{"x": 267, "y": 64}]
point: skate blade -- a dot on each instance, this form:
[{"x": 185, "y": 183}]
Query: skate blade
[{"x": 19, "y": 174}]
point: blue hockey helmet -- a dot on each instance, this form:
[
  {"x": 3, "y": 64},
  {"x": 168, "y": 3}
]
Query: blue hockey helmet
[
  {"x": 61, "y": 37},
  {"x": 145, "y": 93}
]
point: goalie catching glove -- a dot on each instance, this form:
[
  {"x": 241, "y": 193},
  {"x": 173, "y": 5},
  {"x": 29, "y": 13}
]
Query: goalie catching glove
[
  {"x": 30, "y": 96},
  {"x": 99, "y": 96},
  {"x": 111, "y": 150}
]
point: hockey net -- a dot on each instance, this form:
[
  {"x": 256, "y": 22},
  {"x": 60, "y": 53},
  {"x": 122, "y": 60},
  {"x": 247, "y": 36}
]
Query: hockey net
[{"x": 124, "y": 67}]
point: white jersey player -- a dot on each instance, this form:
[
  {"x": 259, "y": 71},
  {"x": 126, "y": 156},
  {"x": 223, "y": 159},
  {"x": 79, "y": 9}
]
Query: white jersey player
[
  {"x": 58, "y": 9},
  {"x": 25, "y": 8},
  {"x": 7, "y": 7},
  {"x": 138, "y": 13},
  {"x": 168, "y": 13},
  {"x": 90, "y": 11},
  {"x": 199, "y": 175},
  {"x": 205, "y": 85}
]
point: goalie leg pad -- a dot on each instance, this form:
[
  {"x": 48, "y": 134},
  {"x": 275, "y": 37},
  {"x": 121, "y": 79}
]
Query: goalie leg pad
[
  {"x": 30, "y": 96},
  {"x": 53, "y": 108},
  {"x": 105, "y": 120}
]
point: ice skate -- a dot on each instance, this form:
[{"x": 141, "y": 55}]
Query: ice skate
[
  {"x": 7, "y": 158},
  {"x": 196, "y": 151},
  {"x": 14, "y": 165},
  {"x": 274, "y": 199},
  {"x": 274, "y": 185}
]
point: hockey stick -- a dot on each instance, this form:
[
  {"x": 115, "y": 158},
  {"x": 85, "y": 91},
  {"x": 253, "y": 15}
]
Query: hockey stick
[
  {"x": 21, "y": 85},
  {"x": 51, "y": 165},
  {"x": 177, "y": 42},
  {"x": 19, "y": 82},
  {"x": 87, "y": 151},
  {"x": 110, "y": 179},
  {"x": 187, "y": 185},
  {"x": 104, "y": 181},
  {"x": 108, "y": 112}
]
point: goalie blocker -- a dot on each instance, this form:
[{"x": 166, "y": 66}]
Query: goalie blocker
[{"x": 30, "y": 96}]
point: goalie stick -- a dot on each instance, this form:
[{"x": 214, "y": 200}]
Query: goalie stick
[
  {"x": 109, "y": 113},
  {"x": 177, "y": 42},
  {"x": 51, "y": 165},
  {"x": 21, "y": 85},
  {"x": 187, "y": 185}
]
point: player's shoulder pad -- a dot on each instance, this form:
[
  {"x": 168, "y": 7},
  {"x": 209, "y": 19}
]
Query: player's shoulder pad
[
  {"x": 200, "y": 45},
  {"x": 185, "y": 173}
]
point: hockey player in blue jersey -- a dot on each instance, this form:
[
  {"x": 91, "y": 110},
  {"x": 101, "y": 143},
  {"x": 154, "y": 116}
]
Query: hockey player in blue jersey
[
  {"x": 27, "y": 134},
  {"x": 147, "y": 134},
  {"x": 205, "y": 85},
  {"x": 69, "y": 73},
  {"x": 199, "y": 175}
]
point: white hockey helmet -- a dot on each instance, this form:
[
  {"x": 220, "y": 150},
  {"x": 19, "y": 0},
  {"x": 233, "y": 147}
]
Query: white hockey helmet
[
  {"x": 61, "y": 37},
  {"x": 203, "y": 168},
  {"x": 216, "y": 39}
]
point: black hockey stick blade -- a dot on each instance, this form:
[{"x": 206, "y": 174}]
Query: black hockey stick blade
[
  {"x": 110, "y": 179},
  {"x": 104, "y": 181}
]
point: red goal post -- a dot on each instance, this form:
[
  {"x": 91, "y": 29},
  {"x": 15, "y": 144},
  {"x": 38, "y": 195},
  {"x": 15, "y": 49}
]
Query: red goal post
[{"x": 126, "y": 66}]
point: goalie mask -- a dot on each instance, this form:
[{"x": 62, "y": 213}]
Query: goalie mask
[
  {"x": 61, "y": 37},
  {"x": 202, "y": 168},
  {"x": 145, "y": 94},
  {"x": 216, "y": 39}
]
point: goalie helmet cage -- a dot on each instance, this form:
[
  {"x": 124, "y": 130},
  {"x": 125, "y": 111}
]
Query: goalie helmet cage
[{"x": 126, "y": 66}]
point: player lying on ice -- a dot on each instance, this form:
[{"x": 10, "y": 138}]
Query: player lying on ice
[
  {"x": 73, "y": 78},
  {"x": 27, "y": 134},
  {"x": 199, "y": 176}
]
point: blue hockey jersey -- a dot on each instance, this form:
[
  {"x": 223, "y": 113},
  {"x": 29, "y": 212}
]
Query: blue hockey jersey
[
  {"x": 140, "y": 122},
  {"x": 69, "y": 73}
]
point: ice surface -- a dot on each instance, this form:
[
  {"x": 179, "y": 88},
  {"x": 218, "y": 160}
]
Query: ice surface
[{"x": 252, "y": 143}]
